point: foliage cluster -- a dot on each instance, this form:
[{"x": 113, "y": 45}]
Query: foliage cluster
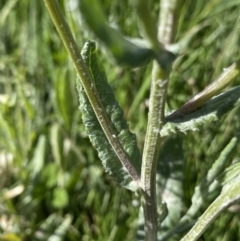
[{"x": 52, "y": 184}]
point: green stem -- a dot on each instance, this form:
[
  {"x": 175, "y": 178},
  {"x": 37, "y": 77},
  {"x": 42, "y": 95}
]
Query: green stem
[
  {"x": 87, "y": 82},
  {"x": 153, "y": 139},
  {"x": 152, "y": 148},
  {"x": 167, "y": 20}
]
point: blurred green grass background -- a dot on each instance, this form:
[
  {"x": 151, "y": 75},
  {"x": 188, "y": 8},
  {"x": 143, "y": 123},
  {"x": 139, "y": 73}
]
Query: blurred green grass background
[{"x": 51, "y": 180}]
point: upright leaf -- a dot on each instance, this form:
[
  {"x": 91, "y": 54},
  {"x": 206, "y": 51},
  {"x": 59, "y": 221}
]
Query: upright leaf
[{"x": 128, "y": 140}]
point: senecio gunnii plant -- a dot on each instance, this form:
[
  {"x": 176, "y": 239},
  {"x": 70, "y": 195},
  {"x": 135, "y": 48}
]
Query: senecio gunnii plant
[{"x": 117, "y": 145}]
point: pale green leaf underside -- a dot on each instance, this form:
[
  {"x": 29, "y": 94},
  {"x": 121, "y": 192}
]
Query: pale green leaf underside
[
  {"x": 213, "y": 110},
  {"x": 106, "y": 153}
]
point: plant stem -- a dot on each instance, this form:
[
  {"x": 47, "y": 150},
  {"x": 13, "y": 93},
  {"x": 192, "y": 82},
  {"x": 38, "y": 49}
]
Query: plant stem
[
  {"x": 152, "y": 148},
  {"x": 167, "y": 21},
  {"x": 153, "y": 139},
  {"x": 89, "y": 87}
]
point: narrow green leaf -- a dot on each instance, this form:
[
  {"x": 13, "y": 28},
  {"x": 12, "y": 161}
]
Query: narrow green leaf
[
  {"x": 228, "y": 197},
  {"x": 127, "y": 139},
  {"x": 229, "y": 175},
  {"x": 64, "y": 98},
  {"x": 56, "y": 141},
  {"x": 61, "y": 230},
  {"x": 54, "y": 228},
  {"x": 37, "y": 162},
  {"x": 4, "y": 12},
  {"x": 228, "y": 75},
  {"x": 213, "y": 110},
  {"x": 210, "y": 183},
  {"x": 203, "y": 189}
]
